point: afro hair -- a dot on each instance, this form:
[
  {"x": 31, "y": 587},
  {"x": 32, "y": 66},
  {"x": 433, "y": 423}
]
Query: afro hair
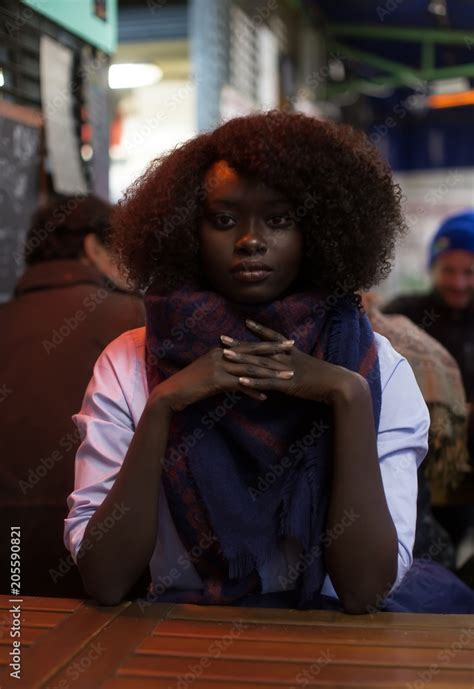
[{"x": 342, "y": 194}]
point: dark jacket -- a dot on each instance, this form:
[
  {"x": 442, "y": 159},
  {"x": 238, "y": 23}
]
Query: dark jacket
[
  {"x": 454, "y": 328},
  {"x": 60, "y": 319}
]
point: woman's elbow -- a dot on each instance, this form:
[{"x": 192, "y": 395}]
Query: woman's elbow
[
  {"x": 357, "y": 605},
  {"x": 104, "y": 592},
  {"x": 365, "y": 600},
  {"x": 108, "y": 599},
  {"x": 105, "y": 595}
]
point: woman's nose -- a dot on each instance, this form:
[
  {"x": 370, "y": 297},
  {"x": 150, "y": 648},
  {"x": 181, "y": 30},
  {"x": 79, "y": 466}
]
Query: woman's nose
[{"x": 251, "y": 237}]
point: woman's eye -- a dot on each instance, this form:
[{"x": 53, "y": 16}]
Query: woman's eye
[
  {"x": 282, "y": 220},
  {"x": 224, "y": 220}
]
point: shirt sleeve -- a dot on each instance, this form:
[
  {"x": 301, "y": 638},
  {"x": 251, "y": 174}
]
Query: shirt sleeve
[
  {"x": 106, "y": 428},
  {"x": 402, "y": 444}
]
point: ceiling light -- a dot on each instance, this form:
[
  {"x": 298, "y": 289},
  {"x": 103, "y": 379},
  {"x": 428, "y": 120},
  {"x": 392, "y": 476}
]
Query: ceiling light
[
  {"x": 336, "y": 69},
  {"x": 450, "y": 85},
  {"x": 133, "y": 75},
  {"x": 438, "y": 7}
]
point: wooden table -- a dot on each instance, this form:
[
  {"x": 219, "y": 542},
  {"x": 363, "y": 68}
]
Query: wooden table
[{"x": 72, "y": 644}]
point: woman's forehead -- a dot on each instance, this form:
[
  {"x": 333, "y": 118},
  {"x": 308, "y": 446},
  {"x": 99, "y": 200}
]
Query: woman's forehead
[
  {"x": 222, "y": 180},
  {"x": 220, "y": 174}
]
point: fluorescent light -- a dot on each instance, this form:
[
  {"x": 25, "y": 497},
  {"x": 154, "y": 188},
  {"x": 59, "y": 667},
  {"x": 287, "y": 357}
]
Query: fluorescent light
[
  {"x": 2, "y": 78},
  {"x": 133, "y": 75},
  {"x": 450, "y": 85}
]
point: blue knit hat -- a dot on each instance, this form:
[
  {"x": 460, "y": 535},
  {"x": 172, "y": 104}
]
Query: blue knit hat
[{"x": 456, "y": 232}]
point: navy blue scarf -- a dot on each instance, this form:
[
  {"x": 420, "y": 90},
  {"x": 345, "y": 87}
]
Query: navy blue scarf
[{"x": 241, "y": 474}]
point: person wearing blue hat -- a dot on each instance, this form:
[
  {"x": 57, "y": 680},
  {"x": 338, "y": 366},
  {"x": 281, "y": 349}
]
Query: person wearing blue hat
[
  {"x": 447, "y": 311},
  {"x": 447, "y": 314},
  {"x": 451, "y": 259}
]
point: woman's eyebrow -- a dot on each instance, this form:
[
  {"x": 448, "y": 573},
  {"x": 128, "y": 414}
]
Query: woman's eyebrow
[
  {"x": 237, "y": 202},
  {"x": 227, "y": 202}
]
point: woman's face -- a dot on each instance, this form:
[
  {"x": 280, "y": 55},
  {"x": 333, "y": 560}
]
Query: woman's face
[{"x": 251, "y": 249}]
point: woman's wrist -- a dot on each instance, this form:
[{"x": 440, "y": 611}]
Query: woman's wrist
[
  {"x": 350, "y": 388},
  {"x": 159, "y": 404}
]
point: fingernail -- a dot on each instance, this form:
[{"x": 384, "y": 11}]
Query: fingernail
[
  {"x": 285, "y": 374},
  {"x": 226, "y": 340},
  {"x": 230, "y": 352},
  {"x": 249, "y": 322},
  {"x": 288, "y": 342},
  {"x": 245, "y": 381}
]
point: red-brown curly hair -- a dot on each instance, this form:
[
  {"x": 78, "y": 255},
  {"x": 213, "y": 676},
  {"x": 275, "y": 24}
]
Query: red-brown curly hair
[{"x": 342, "y": 192}]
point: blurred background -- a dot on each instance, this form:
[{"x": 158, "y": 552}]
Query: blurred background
[{"x": 92, "y": 90}]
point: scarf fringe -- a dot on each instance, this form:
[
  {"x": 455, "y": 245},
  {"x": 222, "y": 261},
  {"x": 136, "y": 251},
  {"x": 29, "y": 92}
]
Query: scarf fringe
[
  {"x": 287, "y": 528},
  {"x": 241, "y": 565}
]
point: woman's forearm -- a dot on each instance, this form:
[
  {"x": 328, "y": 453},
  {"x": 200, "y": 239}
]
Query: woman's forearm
[
  {"x": 361, "y": 543},
  {"x": 121, "y": 535}
]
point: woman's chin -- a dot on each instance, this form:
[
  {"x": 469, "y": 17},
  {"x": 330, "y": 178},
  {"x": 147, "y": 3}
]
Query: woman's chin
[
  {"x": 254, "y": 295},
  {"x": 242, "y": 292}
]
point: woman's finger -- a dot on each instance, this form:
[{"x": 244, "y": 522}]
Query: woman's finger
[
  {"x": 229, "y": 341},
  {"x": 258, "y": 347},
  {"x": 249, "y": 371},
  {"x": 253, "y": 394},
  {"x": 265, "y": 332},
  {"x": 264, "y": 384},
  {"x": 269, "y": 362}
]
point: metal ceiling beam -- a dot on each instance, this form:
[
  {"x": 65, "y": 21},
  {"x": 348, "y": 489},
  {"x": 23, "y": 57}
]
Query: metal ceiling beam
[
  {"x": 401, "y": 33},
  {"x": 397, "y": 73},
  {"x": 397, "y": 68},
  {"x": 428, "y": 55},
  {"x": 360, "y": 85}
]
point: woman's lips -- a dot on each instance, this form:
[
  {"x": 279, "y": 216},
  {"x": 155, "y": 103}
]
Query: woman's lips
[{"x": 251, "y": 275}]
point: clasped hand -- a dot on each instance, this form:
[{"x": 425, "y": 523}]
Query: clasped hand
[
  {"x": 274, "y": 364},
  {"x": 289, "y": 371}
]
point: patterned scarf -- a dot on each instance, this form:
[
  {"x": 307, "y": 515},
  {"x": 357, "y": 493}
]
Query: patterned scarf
[
  {"x": 439, "y": 378},
  {"x": 240, "y": 474}
]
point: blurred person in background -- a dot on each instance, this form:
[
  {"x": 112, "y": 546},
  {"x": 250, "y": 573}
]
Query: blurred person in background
[
  {"x": 447, "y": 460},
  {"x": 69, "y": 304},
  {"x": 447, "y": 314}
]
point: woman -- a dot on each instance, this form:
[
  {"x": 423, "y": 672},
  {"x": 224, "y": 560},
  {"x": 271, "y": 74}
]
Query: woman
[{"x": 262, "y": 461}]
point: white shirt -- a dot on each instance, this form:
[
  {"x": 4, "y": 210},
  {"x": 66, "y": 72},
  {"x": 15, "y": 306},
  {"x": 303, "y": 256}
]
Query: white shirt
[{"x": 114, "y": 401}]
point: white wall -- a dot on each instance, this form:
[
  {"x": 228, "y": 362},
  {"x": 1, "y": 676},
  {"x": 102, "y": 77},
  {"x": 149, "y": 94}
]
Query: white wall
[
  {"x": 155, "y": 119},
  {"x": 429, "y": 198}
]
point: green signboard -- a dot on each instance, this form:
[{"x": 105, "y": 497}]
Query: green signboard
[{"x": 95, "y": 21}]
